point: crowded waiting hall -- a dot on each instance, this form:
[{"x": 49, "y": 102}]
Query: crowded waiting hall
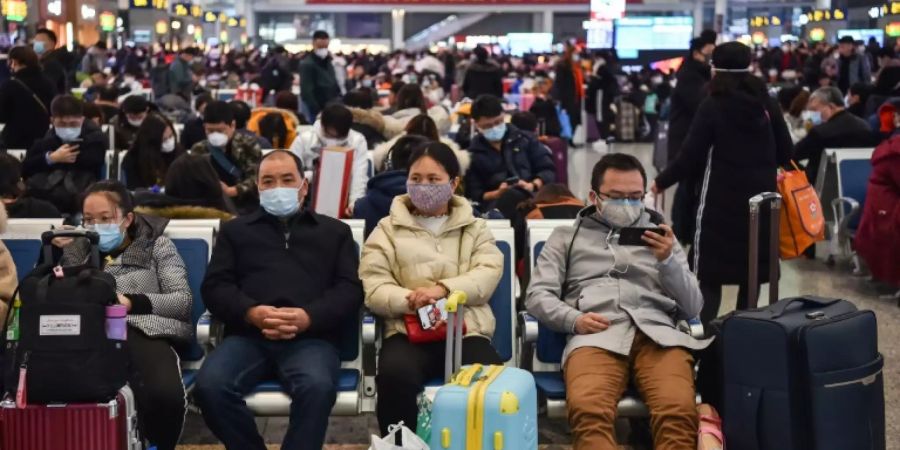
[{"x": 450, "y": 225}]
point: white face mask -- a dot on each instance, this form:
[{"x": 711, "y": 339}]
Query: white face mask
[
  {"x": 321, "y": 52},
  {"x": 218, "y": 139},
  {"x": 621, "y": 213},
  {"x": 168, "y": 145},
  {"x": 135, "y": 123}
]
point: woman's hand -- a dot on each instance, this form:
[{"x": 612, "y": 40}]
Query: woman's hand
[
  {"x": 63, "y": 242},
  {"x": 123, "y": 300},
  {"x": 425, "y": 296}
]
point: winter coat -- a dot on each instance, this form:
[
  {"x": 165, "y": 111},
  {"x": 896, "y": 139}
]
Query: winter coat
[
  {"x": 522, "y": 155},
  {"x": 482, "y": 78},
  {"x": 857, "y": 68},
  {"x": 318, "y": 83},
  {"x": 563, "y": 209},
  {"x": 28, "y": 207},
  {"x": 878, "y": 236},
  {"x": 243, "y": 151},
  {"x": 400, "y": 256},
  {"x": 379, "y": 155},
  {"x": 735, "y": 145},
  {"x": 566, "y": 91},
  {"x": 151, "y": 273},
  {"x": 370, "y": 124},
  {"x": 649, "y": 296},
  {"x": 180, "y": 81},
  {"x": 182, "y": 212},
  {"x": 395, "y": 123},
  {"x": 26, "y": 119},
  {"x": 308, "y": 147},
  {"x": 55, "y": 65},
  {"x": 843, "y": 130},
  {"x": 291, "y": 122},
  {"x": 8, "y": 278},
  {"x": 380, "y": 192},
  {"x": 686, "y": 98}
]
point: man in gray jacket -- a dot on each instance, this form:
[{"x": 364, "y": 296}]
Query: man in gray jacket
[{"x": 619, "y": 304}]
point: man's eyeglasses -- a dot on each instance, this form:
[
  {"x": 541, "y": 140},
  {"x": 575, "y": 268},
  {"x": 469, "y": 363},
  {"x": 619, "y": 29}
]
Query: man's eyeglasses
[{"x": 635, "y": 196}]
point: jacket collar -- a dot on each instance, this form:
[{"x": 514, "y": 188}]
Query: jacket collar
[
  {"x": 460, "y": 213},
  {"x": 143, "y": 235},
  {"x": 512, "y": 136},
  {"x": 261, "y": 215}
]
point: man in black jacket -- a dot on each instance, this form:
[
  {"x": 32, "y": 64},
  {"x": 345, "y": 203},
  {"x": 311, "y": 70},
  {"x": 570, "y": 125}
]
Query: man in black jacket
[
  {"x": 689, "y": 92},
  {"x": 53, "y": 60},
  {"x": 68, "y": 159},
  {"x": 284, "y": 281},
  {"x": 833, "y": 127},
  {"x": 318, "y": 81}
]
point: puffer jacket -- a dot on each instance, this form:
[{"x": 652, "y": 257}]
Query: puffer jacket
[
  {"x": 291, "y": 122},
  {"x": 395, "y": 123},
  {"x": 400, "y": 256},
  {"x": 152, "y": 275},
  {"x": 8, "y": 278},
  {"x": 379, "y": 155}
]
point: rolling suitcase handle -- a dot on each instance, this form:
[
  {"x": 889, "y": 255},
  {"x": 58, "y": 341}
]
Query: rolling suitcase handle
[
  {"x": 455, "y": 317},
  {"x": 92, "y": 236},
  {"x": 753, "y": 260}
]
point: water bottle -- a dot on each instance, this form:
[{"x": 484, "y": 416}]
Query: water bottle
[
  {"x": 116, "y": 322},
  {"x": 12, "y": 328}
]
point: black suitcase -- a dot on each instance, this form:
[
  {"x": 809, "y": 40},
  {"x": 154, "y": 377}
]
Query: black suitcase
[{"x": 803, "y": 373}]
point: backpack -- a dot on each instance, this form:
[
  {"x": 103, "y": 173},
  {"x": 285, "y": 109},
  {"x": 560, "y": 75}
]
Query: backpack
[{"x": 61, "y": 349}]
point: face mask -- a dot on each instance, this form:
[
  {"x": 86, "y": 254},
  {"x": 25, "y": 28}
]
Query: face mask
[
  {"x": 621, "y": 213},
  {"x": 135, "y": 123},
  {"x": 429, "y": 198},
  {"x": 281, "y": 201},
  {"x": 168, "y": 145},
  {"x": 111, "y": 236},
  {"x": 218, "y": 139},
  {"x": 321, "y": 53},
  {"x": 495, "y": 134},
  {"x": 815, "y": 117},
  {"x": 38, "y": 47},
  {"x": 656, "y": 81},
  {"x": 68, "y": 134},
  {"x": 367, "y": 83}
]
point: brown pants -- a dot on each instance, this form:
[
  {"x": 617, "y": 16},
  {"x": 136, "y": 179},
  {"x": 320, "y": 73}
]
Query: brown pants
[{"x": 596, "y": 379}]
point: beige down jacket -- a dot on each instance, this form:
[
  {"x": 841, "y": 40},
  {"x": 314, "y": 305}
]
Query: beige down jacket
[
  {"x": 400, "y": 256},
  {"x": 8, "y": 278}
]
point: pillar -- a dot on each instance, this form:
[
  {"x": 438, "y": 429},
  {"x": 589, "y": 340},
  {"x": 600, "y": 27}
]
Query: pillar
[
  {"x": 721, "y": 17},
  {"x": 397, "y": 16},
  {"x": 823, "y": 4},
  {"x": 548, "y": 21},
  {"x": 698, "y": 17}
]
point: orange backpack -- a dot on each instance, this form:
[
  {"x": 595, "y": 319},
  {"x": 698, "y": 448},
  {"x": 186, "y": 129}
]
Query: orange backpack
[{"x": 802, "y": 217}]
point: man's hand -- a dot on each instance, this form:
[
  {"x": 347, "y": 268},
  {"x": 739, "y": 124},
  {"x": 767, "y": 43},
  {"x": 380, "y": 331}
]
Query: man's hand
[
  {"x": 63, "y": 242},
  {"x": 654, "y": 189},
  {"x": 660, "y": 245},
  {"x": 494, "y": 195},
  {"x": 590, "y": 323},
  {"x": 530, "y": 187},
  {"x": 65, "y": 154},
  {"x": 229, "y": 191},
  {"x": 285, "y": 323}
]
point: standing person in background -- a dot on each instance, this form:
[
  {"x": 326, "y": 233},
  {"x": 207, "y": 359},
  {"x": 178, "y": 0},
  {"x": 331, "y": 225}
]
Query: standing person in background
[
  {"x": 53, "y": 60},
  {"x": 569, "y": 85},
  {"x": 601, "y": 93},
  {"x": 318, "y": 84},
  {"x": 689, "y": 92},
  {"x": 24, "y": 101},
  {"x": 276, "y": 74},
  {"x": 95, "y": 59},
  {"x": 735, "y": 145},
  {"x": 482, "y": 76},
  {"x": 181, "y": 81},
  {"x": 852, "y": 67}
]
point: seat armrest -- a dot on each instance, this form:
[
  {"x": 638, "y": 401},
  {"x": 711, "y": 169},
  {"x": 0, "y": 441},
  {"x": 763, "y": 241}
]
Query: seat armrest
[
  {"x": 209, "y": 331},
  {"x": 844, "y": 223},
  {"x": 528, "y": 328},
  {"x": 369, "y": 328},
  {"x": 693, "y": 327}
]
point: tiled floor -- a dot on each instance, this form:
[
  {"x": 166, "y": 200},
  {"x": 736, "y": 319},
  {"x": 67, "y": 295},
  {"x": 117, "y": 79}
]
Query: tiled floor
[{"x": 799, "y": 276}]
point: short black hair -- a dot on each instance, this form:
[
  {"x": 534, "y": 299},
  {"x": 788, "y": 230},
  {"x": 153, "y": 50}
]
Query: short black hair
[
  {"x": 49, "y": 33},
  {"x": 25, "y": 56},
  {"x": 218, "y": 112},
  {"x": 108, "y": 93},
  {"x": 697, "y": 44},
  {"x": 486, "y": 105},
  {"x": 320, "y": 34},
  {"x": 395, "y": 88},
  {"x": 411, "y": 96},
  {"x": 241, "y": 112},
  {"x": 337, "y": 116},
  {"x": 66, "y": 106},
  {"x": 135, "y": 104},
  {"x": 10, "y": 175},
  {"x": 91, "y": 111},
  {"x": 399, "y": 154},
  {"x": 287, "y": 100},
  {"x": 617, "y": 161},
  {"x": 115, "y": 191},
  {"x": 291, "y": 154},
  {"x": 201, "y": 100},
  {"x": 441, "y": 153},
  {"x": 360, "y": 98},
  {"x": 525, "y": 120}
]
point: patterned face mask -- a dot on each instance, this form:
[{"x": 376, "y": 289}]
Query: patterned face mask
[{"x": 429, "y": 198}]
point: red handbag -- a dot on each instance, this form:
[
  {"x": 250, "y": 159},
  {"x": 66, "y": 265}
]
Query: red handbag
[{"x": 419, "y": 335}]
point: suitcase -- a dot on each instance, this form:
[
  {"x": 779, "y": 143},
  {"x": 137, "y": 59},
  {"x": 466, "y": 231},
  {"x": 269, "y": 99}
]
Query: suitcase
[
  {"x": 482, "y": 407},
  {"x": 76, "y": 426},
  {"x": 559, "y": 150},
  {"x": 803, "y": 373}
]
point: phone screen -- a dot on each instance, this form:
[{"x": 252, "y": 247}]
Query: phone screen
[
  {"x": 431, "y": 315},
  {"x": 632, "y": 235}
]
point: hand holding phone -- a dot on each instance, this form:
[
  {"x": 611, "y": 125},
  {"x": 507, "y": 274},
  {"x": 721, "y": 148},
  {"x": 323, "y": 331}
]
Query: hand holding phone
[
  {"x": 431, "y": 316},
  {"x": 635, "y": 235}
]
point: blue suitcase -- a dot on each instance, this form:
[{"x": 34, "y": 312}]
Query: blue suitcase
[{"x": 482, "y": 407}]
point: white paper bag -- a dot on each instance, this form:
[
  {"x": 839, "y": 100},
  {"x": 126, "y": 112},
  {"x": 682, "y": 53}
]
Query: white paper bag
[{"x": 408, "y": 438}]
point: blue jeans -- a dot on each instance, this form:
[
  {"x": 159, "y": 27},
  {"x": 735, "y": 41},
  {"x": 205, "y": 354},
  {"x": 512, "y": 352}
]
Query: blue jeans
[{"x": 308, "y": 369}]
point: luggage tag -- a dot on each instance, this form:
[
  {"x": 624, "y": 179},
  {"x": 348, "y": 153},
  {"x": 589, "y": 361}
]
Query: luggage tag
[
  {"x": 58, "y": 272},
  {"x": 21, "y": 390}
]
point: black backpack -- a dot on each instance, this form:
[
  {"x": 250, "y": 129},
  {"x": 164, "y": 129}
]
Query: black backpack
[{"x": 62, "y": 339}]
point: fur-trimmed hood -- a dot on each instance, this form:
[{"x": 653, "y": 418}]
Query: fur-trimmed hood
[
  {"x": 381, "y": 151},
  {"x": 184, "y": 212},
  {"x": 368, "y": 117},
  {"x": 395, "y": 124}
]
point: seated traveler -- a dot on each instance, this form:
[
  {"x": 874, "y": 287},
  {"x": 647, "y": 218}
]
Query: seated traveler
[
  {"x": 191, "y": 191},
  {"x": 366, "y": 121},
  {"x": 508, "y": 165},
  {"x": 155, "y": 147},
  {"x": 284, "y": 282},
  {"x": 429, "y": 246},
  {"x": 8, "y": 278},
  {"x": 333, "y": 130},
  {"x": 619, "y": 305},
  {"x": 265, "y": 121},
  {"x": 134, "y": 110},
  {"x": 241, "y": 116},
  {"x": 19, "y": 204},
  {"x": 235, "y": 156},
  {"x": 151, "y": 281},
  {"x": 421, "y": 125},
  {"x": 68, "y": 159},
  {"x": 108, "y": 101},
  {"x": 410, "y": 103}
]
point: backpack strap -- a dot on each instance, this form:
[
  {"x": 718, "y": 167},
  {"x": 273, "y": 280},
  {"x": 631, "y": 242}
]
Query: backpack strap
[{"x": 219, "y": 157}]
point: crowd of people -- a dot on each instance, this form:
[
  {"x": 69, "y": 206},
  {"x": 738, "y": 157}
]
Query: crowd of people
[{"x": 735, "y": 115}]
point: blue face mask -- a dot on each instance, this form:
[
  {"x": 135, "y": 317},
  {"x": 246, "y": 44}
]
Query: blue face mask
[
  {"x": 281, "y": 201},
  {"x": 38, "y": 47},
  {"x": 495, "y": 134},
  {"x": 68, "y": 134},
  {"x": 111, "y": 236},
  {"x": 815, "y": 117}
]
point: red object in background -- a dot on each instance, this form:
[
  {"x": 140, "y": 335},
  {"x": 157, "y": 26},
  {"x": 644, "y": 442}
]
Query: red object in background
[{"x": 253, "y": 97}]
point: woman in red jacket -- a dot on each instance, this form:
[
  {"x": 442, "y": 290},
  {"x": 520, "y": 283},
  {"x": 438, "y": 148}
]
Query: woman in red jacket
[{"x": 878, "y": 238}]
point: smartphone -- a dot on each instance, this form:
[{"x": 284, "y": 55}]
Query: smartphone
[
  {"x": 431, "y": 315},
  {"x": 632, "y": 235},
  {"x": 76, "y": 142},
  {"x": 512, "y": 181}
]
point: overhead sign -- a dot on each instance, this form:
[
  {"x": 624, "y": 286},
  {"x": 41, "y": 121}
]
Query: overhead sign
[
  {"x": 821, "y": 15},
  {"x": 149, "y": 4},
  {"x": 607, "y": 9},
  {"x": 210, "y": 17},
  {"x": 765, "y": 21},
  {"x": 181, "y": 9},
  {"x": 107, "y": 21},
  {"x": 14, "y": 10}
]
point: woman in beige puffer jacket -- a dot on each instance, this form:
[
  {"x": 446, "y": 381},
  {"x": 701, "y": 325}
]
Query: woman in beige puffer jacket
[
  {"x": 8, "y": 279},
  {"x": 430, "y": 245}
]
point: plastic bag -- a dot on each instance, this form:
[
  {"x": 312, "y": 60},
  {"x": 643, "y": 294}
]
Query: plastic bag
[
  {"x": 423, "y": 420},
  {"x": 407, "y": 437}
]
